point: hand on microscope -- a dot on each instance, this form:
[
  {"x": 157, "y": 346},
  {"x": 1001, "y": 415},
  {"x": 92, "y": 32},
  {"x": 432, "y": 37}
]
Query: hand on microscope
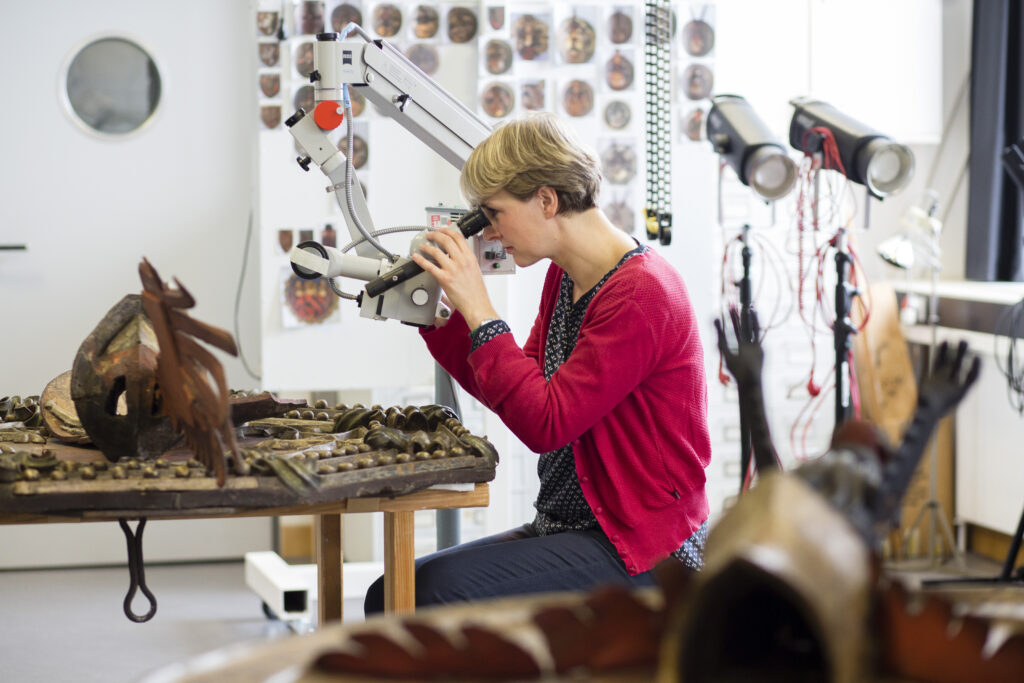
[{"x": 452, "y": 262}]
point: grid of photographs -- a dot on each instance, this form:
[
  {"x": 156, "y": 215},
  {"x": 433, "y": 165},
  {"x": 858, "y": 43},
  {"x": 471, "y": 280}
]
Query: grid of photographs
[
  {"x": 584, "y": 61},
  {"x": 581, "y": 61},
  {"x": 268, "y": 31},
  {"x": 696, "y": 68}
]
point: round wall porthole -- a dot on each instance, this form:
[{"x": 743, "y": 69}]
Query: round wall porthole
[{"x": 112, "y": 86}]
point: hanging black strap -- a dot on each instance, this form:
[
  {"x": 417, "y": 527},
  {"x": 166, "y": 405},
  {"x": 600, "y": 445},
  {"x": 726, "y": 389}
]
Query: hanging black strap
[{"x": 136, "y": 571}]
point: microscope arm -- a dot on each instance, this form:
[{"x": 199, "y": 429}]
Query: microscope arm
[
  {"x": 404, "y": 93},
  {"x": 322, "y": 261},
  {"x": 400, "y": 90}
]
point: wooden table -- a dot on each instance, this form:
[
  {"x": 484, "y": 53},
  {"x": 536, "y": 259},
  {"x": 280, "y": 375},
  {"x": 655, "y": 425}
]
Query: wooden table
[{"x": 399, "y": 553}]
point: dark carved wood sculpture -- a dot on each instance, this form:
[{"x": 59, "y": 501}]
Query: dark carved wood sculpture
[
  {"x": 114, "y": 386},
  {"x": 610, "y": 630},
  {"x": 193, "y": 388}
]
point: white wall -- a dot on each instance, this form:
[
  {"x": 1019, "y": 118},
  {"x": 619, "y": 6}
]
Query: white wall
[{"x": 178, "y": 192}]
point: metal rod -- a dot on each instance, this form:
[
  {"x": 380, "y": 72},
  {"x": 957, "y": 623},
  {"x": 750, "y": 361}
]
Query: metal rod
[
  {"x": 446, "y": 521},
  {"x": 841, "y": 329},
  {"x": 933, "y": 508},
  {"x": 746, "y": 331}
]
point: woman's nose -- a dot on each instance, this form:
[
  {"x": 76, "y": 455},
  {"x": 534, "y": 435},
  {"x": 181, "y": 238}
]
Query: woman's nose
[{"x": 491, "y": 233}]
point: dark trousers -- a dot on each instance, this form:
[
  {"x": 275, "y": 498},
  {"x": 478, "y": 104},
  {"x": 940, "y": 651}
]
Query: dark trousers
[{"x": 515, "y": 562}]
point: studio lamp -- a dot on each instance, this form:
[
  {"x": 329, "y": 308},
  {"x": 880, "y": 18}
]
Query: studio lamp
[
  {"x": 746, "y": 144},
  {"x": 868, "y": 157},
  {"x": 919, "y": 237}
]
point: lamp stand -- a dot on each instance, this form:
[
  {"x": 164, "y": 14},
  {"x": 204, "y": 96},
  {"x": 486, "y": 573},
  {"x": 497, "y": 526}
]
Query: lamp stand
[
  {"x": 1007, "y": 575},
  {"x": 747, "y": 331},
  {"x": 932, "y": 509},
  {"x": 447, "y": 521},
  {"x": 842, "y": 328}
]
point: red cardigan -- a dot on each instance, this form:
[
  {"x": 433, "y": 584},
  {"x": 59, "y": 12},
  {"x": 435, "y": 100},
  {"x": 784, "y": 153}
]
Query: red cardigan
[{"x": 631, "y": 398}]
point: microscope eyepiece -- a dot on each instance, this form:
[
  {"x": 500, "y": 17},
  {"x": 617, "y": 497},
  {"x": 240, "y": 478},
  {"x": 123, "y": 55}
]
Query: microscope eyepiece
[
  {"x": 469, "y": 225},
  {"x": 473, "y": 222}
]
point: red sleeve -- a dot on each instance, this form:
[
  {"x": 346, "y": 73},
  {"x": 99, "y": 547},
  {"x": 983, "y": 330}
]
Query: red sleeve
[
  {"x": 450, "y": 346},
  {"x": 615, "y": 351}
]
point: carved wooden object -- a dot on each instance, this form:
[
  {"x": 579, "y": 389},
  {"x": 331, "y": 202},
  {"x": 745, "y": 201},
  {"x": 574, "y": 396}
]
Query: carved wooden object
[{"x": 193, "y": 389}]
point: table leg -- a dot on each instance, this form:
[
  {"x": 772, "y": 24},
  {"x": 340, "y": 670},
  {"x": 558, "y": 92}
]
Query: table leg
[
  {"x": 399, "y": 562},
  {"x": 328, "y": 565}
]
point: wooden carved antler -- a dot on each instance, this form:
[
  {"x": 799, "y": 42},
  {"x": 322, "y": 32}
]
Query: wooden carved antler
[{"x": 193, "y": 389}]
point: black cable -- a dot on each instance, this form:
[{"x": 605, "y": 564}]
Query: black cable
[
  {"x": 238, "y": 300},
  {"x": 1010, "y": 324}
]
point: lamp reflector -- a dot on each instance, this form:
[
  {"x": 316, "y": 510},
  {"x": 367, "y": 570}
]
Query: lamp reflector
[
  {"x": 898, "y": 251},
  {"x": 868, "y": 157},
  {"x": 770, "y": 172},
  {"x": 889, "y": 169},
  {"x": 747, "y": 145}
]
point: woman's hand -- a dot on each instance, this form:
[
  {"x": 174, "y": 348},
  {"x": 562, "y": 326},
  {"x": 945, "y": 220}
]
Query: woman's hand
[{"x": 456, "y": 268}]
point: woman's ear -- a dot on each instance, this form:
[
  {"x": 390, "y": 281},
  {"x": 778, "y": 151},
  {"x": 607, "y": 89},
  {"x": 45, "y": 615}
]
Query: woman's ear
[{"x": 548, "y": 201}]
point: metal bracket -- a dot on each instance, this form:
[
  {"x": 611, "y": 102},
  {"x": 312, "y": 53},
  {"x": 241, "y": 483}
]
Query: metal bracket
[{"x": 136, "y": 571}]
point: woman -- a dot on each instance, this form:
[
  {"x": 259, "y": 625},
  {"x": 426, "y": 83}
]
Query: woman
[{"x": 609, "y": 388}]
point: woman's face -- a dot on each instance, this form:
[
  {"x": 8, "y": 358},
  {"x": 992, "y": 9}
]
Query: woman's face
[{"x": 519, "y": 225}]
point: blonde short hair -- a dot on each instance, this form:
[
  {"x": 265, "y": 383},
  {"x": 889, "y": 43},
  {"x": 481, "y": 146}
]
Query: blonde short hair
[{"x": 528, "y": 153}]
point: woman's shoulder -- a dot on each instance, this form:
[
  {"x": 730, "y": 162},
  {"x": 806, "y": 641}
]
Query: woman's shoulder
[{"x": 649, "y": 274}]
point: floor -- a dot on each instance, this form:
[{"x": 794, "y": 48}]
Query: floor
[{"x": 68, "y": 624}]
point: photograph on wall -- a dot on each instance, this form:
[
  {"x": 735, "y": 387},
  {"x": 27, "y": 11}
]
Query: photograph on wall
[
  {"x": 426, "y": 22},
  {"x": 462, "y": 24},
  {"x": 303, "y": 59},
  {"x": 344, "y": 14},
  {"x": 693, "y": 124},
  {"x": 425, "y": 57},
  {"x": 270, "y": 115},
  {"x": 620, "y": 25},
  {"x": 619, "y": 211},
  {"x": 306, "y": 302},
  {"x": 497, "y": 99},
  {"x": 309, "y": 17},
  {"x": 531, "y": 35},
  {"x": 304, "y": 98},
  {"x": 698, "y": 33},
  {"x": 496, "y": 17},
  {"x": 357, "y": 101},
  {"x": 697, "y": 81},
  {"x": 270, "y": 84},
  {"x": 619, "y": 70},
  {"x": 386, "y": 19},
  {"x": 533, "y": 94},
  {"x": 577, "y": 38},
  {"x": 617, "y": 114},
  {"x": 270, "y": 53},
  {"x": 618, "y": 161},
  {"x": 267, "y": 23},
  {"x": 360, "y": 147},
  {"x": 329, "y": 235},
  {"x": 577, "y": 98},
  {"x": 497, "y": 56},
  {"x": 285, "y": 240}
]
